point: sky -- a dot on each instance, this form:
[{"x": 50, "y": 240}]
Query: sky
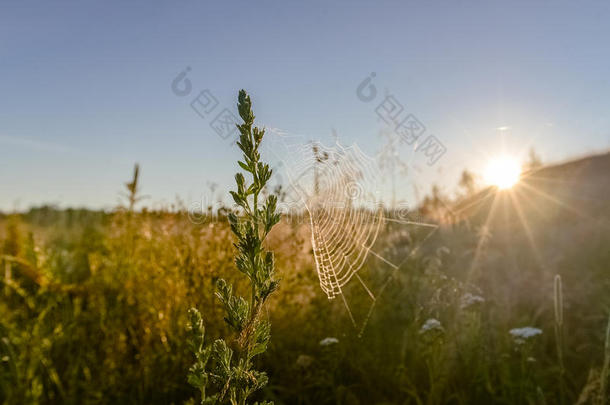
[{"x": 87, "y": 88}]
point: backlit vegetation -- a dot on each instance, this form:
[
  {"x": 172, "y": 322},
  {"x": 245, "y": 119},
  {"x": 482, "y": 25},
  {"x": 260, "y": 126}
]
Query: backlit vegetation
[{"x": 95, "y": 305}]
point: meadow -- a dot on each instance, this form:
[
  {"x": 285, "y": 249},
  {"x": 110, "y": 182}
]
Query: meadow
[
  {"x": 503, "y": 304},
  {"x": 378, "y": 234}
]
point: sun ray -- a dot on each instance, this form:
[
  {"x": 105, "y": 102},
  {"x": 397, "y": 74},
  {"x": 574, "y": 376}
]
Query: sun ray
[
  {"x": 475, "y": 259},
  {"x": 526, "y": 228},
  {"x": 528, "y": 198},
  {"x": 479, "y": 201},
  {"x": 555, "y": 200}
]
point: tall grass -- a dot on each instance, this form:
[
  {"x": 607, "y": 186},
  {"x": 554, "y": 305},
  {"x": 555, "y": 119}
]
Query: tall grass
[
  {"x": 606, "y": 367},
  {"x": 558, "y": 307},
  {"x": 94, "y": 310}
]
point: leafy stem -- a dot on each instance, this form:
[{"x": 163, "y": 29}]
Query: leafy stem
[{"x": 233, "y": 377}]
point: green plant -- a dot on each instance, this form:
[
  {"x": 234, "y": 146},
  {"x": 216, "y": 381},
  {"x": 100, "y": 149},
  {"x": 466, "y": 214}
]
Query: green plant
[
  {"x": 227, "y": 365},
  {"x": 133, "y": 190},
  {"x": 558, "y": 306},
  {"x": 606, "y": 366}
]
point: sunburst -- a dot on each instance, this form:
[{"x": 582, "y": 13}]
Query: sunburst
[{"x": 503, "y": 172}]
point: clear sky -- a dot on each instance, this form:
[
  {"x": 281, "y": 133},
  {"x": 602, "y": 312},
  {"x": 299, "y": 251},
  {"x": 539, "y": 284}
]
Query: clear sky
[{"x": 85, "y": 87}]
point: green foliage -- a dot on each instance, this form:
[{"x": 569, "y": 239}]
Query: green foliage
[
  {"x": 227, "y": 365},
  {"x": 93, "y": 307},
  {"x": 115, "y": 333}
]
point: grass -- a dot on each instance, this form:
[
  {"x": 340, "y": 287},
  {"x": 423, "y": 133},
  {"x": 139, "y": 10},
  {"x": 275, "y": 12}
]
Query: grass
[{"x": 94, "y": 309}]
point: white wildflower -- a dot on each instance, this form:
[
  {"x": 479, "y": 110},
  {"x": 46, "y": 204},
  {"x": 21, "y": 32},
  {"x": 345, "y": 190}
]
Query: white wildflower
[
  {"x": 469, "y": 299},
  {"x": 329, "y": 341},
  {"x": 304, "y": 361},
  {"x": 431, "y": 324},
  {"x": 522, "y": 334}
]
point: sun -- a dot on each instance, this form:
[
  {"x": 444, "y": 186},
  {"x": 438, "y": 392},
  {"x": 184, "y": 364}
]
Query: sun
[{"x": 502, "y": 172}]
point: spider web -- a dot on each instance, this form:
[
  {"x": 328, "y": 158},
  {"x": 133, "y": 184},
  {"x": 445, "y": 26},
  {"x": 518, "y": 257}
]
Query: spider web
[
  {"x": 343, "y": 225},
  {"x": 339, "y": 189}
]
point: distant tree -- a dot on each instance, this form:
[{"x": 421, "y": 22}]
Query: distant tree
[
  {"x": 467, "y": 182},
  {"x": 534, "y": 161},
  {"x": 321, "y": 157},
  {"x": 433, "y": 204}
]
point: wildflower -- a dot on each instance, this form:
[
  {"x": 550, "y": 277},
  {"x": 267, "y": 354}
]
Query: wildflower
[
  {"x": 431, "y": 325},
  {"x": 469, "y": 300},
  {"x": 329, "y": 341},
  {"x": 522, "y": 334},
  {"x": 304, "y": 361}
]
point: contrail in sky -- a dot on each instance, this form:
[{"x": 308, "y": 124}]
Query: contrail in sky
[{"x": 28, "y": 143}]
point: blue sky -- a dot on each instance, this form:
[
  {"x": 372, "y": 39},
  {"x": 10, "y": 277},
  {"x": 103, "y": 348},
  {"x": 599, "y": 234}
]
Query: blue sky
[{"x": 86, "y": 86}]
